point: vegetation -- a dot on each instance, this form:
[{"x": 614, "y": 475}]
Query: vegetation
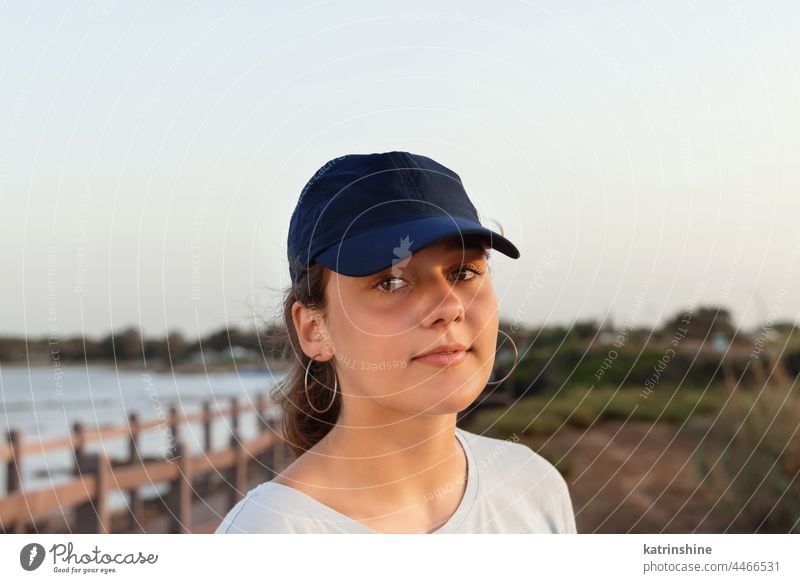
[
  {"x": 753, "y": 461},
  {"x": 128, "y": 345},
  {"x": 544, "y": 414}
]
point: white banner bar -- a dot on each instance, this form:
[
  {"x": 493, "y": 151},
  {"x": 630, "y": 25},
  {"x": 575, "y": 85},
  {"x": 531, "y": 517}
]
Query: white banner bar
[{"x": 400, "y": 558}]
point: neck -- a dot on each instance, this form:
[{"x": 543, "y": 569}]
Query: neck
[{"x": 402, "y": 459}]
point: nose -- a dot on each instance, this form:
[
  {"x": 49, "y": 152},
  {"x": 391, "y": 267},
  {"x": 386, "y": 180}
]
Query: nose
[{"x": 442, "y": 303}]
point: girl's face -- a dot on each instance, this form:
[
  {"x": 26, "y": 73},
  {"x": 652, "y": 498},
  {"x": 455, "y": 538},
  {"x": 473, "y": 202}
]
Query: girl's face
[{"x": 376, "y": 326}]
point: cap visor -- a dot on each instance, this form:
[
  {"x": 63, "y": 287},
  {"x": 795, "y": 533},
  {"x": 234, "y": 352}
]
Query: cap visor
[{"x": 373, "y": 251}]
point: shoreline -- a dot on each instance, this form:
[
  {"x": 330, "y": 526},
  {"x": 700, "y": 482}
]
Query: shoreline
[{"x": 278, "y": 367}]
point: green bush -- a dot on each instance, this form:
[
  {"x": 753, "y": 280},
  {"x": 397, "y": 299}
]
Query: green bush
[
  {"x": 631, "y": 367},
  {"x": 582, "y": 407}
]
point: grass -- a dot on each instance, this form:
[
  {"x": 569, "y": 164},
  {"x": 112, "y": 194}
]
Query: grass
[
  {"x": 581, "y": 407},
  {"x": 755, "y": 465},
  {"x": 749, "y": 462}
]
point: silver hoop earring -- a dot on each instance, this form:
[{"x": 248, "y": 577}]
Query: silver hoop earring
[
  {"x": 516, "y": 360},
  {"x": 335, "y": 387}
]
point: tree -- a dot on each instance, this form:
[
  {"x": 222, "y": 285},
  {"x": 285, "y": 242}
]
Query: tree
[
  {"x": 701, "y": 322},
  {"x": 175, "y": 347},
  {"x": 123, "y": 345}
]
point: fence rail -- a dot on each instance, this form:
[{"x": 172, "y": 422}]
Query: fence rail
[{"x": 96, "y": 475}]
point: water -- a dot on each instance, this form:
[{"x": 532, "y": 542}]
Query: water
[{"x": 45, "y": 402}]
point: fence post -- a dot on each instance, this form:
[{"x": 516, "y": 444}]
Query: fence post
[
  {"x": 181, "y": 493},
  {"x": 135, "y": 458},
  {"x": 14, "y": 465},
  {"x": 235, "y": 445},
  {"x": 261, "y": 412},
  {"x": 239, "y": 472},
  {"x": 263, "y": 427},
  {"x": 204, "y": 485},
  {"x": 235, "y": 415},
  {"x": 173, "y": 429},
  {"x": 86, "y": 516},
  {"x": 207, "y": 417},
  {"x": 279, "y": 453},
  {"x": 103, "y": 524},
  {"x": 90, "y": 515},
  {"x": 78, "y": 442},
  {"x": 14, "y": 470}
]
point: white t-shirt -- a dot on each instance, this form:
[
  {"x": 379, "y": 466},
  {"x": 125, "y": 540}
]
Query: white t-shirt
[{"x": 510, "y": 489}]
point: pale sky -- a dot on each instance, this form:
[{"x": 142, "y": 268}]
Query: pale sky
[{"x": 641, "y": 155}]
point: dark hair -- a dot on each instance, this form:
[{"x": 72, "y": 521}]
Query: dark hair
[{"x": 301, "y": 425}]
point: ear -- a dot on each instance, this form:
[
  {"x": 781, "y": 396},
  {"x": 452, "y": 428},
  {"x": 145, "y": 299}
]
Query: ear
[{"x": 311, "y": 332}]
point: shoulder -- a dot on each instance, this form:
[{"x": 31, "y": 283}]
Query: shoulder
[
  {"x": 510, "y": 460},
  {"x": 513, "y": 474},
  {"x": 265, "y": 509}
]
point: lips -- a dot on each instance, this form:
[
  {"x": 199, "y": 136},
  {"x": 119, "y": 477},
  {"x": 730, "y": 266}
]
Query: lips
[
  {"x": 443, "y": 349},
  {"x": 443, "y": 359}
]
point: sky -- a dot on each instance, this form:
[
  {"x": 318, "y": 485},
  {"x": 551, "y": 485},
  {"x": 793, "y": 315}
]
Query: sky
[{"x": 641, "y": 155}]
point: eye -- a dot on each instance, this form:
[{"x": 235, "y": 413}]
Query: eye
[
  {"x": 470, "y": 268},
  {"x": 380, "y": 287},
  {"x": 464, "y": 269}
]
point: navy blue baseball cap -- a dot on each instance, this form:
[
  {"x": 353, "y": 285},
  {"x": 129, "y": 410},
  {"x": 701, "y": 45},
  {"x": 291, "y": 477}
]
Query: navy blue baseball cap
[{"x": 362, "y": 213}]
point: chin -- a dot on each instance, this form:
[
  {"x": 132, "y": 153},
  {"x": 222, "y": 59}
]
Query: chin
[{"x": 451, "y": 395}]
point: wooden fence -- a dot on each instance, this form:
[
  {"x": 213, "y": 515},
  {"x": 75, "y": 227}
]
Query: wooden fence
[{"x": 96, "y": 476}]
